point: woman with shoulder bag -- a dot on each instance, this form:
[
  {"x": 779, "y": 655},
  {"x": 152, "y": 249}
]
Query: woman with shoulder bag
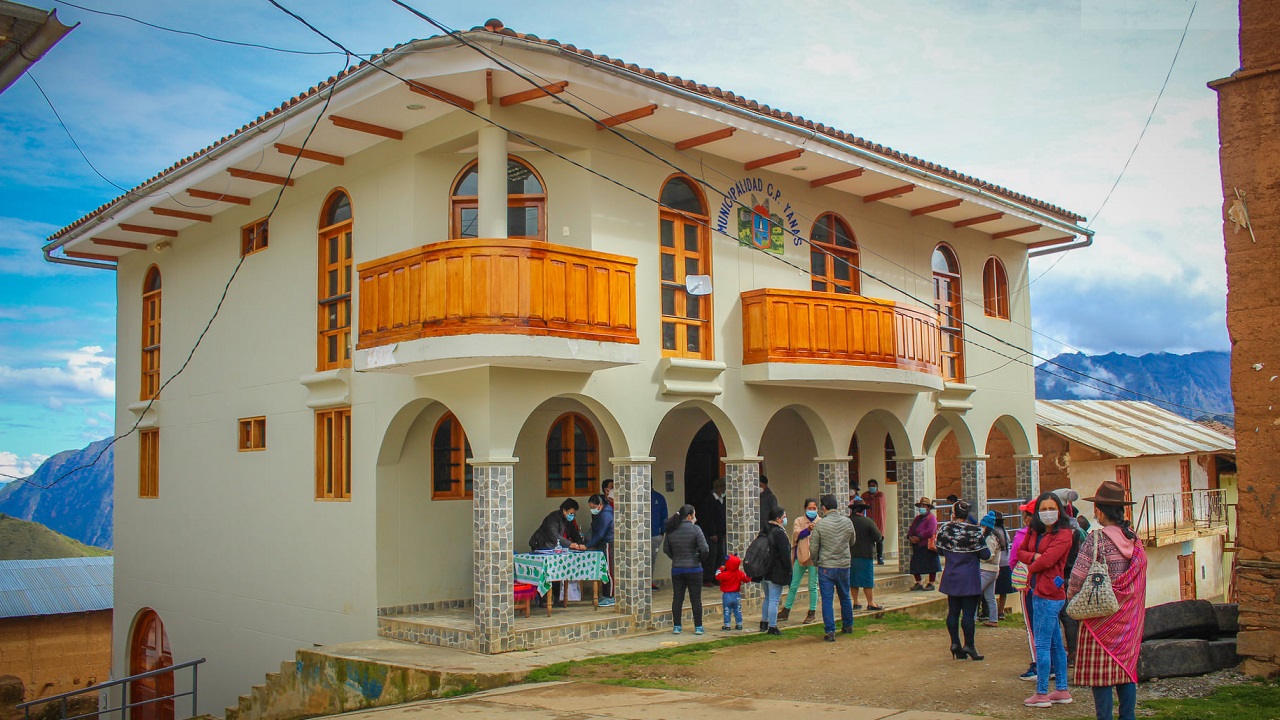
[
  {"x": 802, "y": 563},
  {"x": 924, "y": 554},
  {"x": 1044, "y": 551},
  {"x": 1107, "y": 653}
]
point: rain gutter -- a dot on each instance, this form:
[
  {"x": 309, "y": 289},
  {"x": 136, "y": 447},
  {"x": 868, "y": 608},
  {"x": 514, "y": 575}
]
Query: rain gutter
[{"x": 45, "y": 37}]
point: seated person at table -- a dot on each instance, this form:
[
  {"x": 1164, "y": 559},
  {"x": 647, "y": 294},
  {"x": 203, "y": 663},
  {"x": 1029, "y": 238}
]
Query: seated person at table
[
  {"x": 602, "y": 540},
  {"x": 558, "y": 530}
]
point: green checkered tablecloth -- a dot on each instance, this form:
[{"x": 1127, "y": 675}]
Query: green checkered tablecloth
[{"x": 542, "y": 569}]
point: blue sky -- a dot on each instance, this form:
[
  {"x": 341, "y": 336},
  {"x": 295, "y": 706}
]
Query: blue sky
[{"x": 1047, "y": 98}]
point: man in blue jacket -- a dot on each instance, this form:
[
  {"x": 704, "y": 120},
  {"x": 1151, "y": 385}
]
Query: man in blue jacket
[{"x": 602, "y": 539}]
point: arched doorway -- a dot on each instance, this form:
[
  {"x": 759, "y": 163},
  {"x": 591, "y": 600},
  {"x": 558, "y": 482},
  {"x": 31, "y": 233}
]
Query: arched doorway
[
  {"x": 149, "y": 650},
  {"x": 702, "y": 464}
]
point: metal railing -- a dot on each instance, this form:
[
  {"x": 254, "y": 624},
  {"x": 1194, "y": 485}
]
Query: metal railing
[
  {"x": 124, "y": 697},
  {"x": 1165, "y": 514}
]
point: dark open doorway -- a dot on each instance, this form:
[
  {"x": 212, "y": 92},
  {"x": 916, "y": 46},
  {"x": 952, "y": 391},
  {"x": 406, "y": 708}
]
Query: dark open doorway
[{"x": 702, "y": 466}]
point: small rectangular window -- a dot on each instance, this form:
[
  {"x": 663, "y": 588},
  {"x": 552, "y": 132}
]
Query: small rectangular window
[
  {"x": 149, "y": 463},
  {"x": 253, "y": 434},
  {"x": 333, "y": 454},
  {"x": 253, "y": 237}
]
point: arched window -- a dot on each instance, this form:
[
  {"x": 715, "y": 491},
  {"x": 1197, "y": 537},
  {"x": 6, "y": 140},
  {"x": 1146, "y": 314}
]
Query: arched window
[
  {"x": 684, "y": 250},
  {"x": 451, "y": 477},
  {"x": 947, "y": 301},
  {"x": 855, "y": 461},
  {"x": 151, "y": 334},
  {"x": 334, "y": 296},
  {"x": 833, "y": 259},
  {"x": 890, "y": 463},
  {"x": 149, "y": 650},
  {"x": 526, "y": 202},
  {"x": 995, "y": 289},
  {"x": 573, "y": 458}
]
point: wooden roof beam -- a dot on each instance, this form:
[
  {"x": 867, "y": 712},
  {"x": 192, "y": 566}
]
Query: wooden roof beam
[
  {"x": 441, "y": 95},
  {"x": 1053, "y": 241},
  {"x": 220, "y": 197},
  {"x": 838, "y": 177},
  {"x": 260, "y": 177},
  {"x": 705, "y": 138},
  {"x": 323, "y": 157},
  {"x": 166, "y": 212},
  {"x": 90, "y": 256},
  {"x": 627, "y": 116},
  {"x": 364, "y": 127},
  {"x": 108, "y": 242},
  {"x": 148, "y": 230},
  {"x": 1015, "y": 231},
  {"x": 773, "y": 159},
  {"x": 977, "y": 220},
  {"x": 533, "y": 94},
  {"x": 937, "y": 207},
  {"x": 890, "y": 193}
]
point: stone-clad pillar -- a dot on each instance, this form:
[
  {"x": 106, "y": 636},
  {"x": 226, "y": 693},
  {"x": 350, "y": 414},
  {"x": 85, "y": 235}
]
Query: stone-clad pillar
[
  {"x": 833, "y": 479},
  {"x": 742, "y": 509},
  {"x": 973, "y": 483},
  {"x": 493, "y": 569},
  {"x": 911, "y": 480},
  {"x": 632, "y": 537},
  {"x": 1028, "y": 483}
]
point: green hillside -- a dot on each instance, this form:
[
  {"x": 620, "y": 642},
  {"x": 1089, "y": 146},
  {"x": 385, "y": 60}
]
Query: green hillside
[{"x": 22, "y": 540}]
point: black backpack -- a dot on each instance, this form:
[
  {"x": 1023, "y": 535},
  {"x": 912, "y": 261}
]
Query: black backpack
[{"x": 759, "y": 558}]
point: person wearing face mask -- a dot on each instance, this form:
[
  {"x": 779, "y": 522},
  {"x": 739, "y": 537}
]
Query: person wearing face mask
[
  {"x": 964, "y": 544},
  {"x": 802, "y": 562},
  {"x": 1044, "y": 551},
  {"x": 862, "y": 571},
  {"x": 602, "y": 540},
  {"x": 685, "y": 544},
  {"x": 924, "y": 560},
  {"x": 876, "y": 510},
  {"x": 779, "y": 573},
  {"x": 557, "y": 529}
]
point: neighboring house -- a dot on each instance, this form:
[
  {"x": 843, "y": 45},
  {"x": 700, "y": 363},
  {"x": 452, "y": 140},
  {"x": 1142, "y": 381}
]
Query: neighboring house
[
  {"x": 1180, "y": 475},
  {"x": 449, "y": 326},
  {"x": 55, "y": 623}
]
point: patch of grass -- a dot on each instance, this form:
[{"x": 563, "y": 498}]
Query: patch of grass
[
  {"x": 464, "y": 690},
  {"x": 641, "y": 683},
  {"x": 1254, "y": 701}
]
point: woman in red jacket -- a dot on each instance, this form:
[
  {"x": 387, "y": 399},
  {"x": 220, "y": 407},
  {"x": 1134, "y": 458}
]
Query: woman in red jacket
[{"x": 1044, "y": 551}]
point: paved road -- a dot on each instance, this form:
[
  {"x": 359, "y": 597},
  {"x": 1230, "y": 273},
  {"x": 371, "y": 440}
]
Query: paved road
[{"x": 590, "y": 701}]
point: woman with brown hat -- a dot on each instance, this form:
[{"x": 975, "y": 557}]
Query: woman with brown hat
[
  {"x": 1107, "y": 654},
  {"x": 924, "y": 559}
]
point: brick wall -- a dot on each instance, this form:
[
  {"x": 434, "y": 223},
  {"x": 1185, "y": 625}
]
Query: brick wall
[
  {"x": 1002, "y": 468},
  {"x": 1249, "y": 133},
  {"x": 53, "y": 654}
]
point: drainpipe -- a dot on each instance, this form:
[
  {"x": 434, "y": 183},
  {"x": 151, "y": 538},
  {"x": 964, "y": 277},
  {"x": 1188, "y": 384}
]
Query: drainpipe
[{"x": 45, "y": 37}]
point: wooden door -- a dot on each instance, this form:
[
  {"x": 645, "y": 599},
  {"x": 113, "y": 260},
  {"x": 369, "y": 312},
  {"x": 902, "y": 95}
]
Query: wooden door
[
  {"x": 149, "y": 650},
  {"x": 1187, "y": 576},
  {"x": 1185, "y": 499},
  {"x": 1122, "y": 477}
]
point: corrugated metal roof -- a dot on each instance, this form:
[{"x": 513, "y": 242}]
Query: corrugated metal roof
[
  {"x": 1126, "y": 428},
  {"x": 54, "y": 587}
]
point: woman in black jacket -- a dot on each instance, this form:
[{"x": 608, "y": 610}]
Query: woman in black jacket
[
  {"x": 779, "y": 575},
  {"x": 686, "y": 546}
]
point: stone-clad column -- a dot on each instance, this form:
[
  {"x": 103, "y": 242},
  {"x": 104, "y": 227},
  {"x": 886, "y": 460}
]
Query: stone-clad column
[
  {"x": 493, "y": 570},
  {"x": 632, "y": 537},
  {"x": 911, "y": 480},
  {"x": 742, "y": 509},
  {"x": 833, "y": 479},
  {"x": 1028, "y": 483},
  {"x": 973, "y": 483}
]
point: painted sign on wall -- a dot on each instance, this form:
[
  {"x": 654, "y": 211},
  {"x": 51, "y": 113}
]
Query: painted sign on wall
[{"x": 754, "y": 212}]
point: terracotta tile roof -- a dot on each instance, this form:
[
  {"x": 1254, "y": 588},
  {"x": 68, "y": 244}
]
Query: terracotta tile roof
[{"x": 496, "y": 26}]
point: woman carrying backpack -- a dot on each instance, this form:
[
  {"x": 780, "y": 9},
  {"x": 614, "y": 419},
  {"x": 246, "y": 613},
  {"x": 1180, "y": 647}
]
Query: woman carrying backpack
[
  {"x": 1044, "y": 551},
  {"x": 778, "y": 575}
]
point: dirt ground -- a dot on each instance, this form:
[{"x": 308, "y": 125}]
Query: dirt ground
[{"x": 906, "y": 669}]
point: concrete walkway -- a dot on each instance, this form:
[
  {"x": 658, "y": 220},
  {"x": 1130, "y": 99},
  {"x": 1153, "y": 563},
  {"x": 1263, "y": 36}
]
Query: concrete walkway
[{"x": 588, "y": 701}]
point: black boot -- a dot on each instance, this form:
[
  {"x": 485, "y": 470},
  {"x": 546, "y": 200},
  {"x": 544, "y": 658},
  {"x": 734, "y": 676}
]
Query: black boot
[
  {"x": 956, "y": 651},
  {"x": 972, "y": 654},
  {"x": 764, "y": 626}
]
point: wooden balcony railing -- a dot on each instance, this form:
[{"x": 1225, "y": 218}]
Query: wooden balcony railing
[
  {"x": 516, "y": 287},
  {"x": 801, "y": 326}
]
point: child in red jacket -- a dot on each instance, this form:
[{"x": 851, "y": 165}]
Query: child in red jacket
[{"x": 731, "y": 578}]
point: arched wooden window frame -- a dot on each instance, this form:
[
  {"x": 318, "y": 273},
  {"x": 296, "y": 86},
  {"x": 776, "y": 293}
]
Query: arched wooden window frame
[
  {"x": 682, "y": 313},
  {"x": 828, "y": 257},
  {"x": 948, "y": 300},
  {"x": 458, "y": 449},
  {"x": 334, "y": 285},
  {"x": 575, "y": 469},
  {"x": 995, "y": 289},
  {"x": 149, "y": 650},
  {"x": 458, "y": 203},
  {"x": 151, "y": 314}
]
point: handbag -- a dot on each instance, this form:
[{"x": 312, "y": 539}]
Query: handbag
[
  {"x": 1096, "y": 598},
  {"x": 1019, "y": 576}
]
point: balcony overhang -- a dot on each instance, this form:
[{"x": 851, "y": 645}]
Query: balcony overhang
[
  {"x": 1163, "y": 537},
  {"x": 802, "y": 338},
  {"x": 434, "y": 355}
]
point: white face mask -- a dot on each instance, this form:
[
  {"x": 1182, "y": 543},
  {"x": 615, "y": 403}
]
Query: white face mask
[{"x": 1048, "y": 517}]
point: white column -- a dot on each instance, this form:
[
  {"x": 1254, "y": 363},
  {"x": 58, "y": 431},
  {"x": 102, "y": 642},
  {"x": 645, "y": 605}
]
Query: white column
[{"x": 492, "y": 166}]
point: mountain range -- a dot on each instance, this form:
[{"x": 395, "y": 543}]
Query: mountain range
[
  {"x": 1196, "y": 385},
  {"x": 78, "y": 505}
]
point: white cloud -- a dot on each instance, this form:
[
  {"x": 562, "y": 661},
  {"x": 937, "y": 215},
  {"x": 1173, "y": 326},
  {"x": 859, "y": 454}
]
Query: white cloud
[
  {"x": 13, "y": 465},
  {"x": 20, "y": 243},
  {"x": 85, "y": 373}
]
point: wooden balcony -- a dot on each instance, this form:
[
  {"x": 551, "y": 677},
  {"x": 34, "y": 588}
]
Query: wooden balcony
[
  {"x": 510, "y": 303},
  {"x": 816, "y": 339}
]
